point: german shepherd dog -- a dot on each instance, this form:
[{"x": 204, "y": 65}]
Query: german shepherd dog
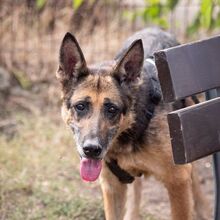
[{"x": 119, "y": 123}]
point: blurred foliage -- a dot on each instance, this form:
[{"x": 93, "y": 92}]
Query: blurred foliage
[
  {"x": 22, "y": 78},
  {"x": 77, "y": 3},
  {"x": 40, "y": 4},
  {"x": 156, "y": 12},
  {"x": 208, "y": 17}
]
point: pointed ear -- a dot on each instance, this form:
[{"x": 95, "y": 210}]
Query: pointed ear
[
  {"x": 130, "y": 65},
  {"x": 72, "y": 63}
]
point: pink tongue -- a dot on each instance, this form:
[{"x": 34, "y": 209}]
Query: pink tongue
[{"x": 90, "y": 169}]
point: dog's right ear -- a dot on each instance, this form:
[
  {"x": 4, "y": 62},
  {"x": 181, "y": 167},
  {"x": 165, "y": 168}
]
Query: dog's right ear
[
  {"x": 72, "y": 64},
  {"x": 129, "y": 66}
]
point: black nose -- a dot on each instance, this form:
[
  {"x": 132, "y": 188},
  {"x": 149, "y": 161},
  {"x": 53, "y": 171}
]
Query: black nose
[{"x": 92, "y": 150}]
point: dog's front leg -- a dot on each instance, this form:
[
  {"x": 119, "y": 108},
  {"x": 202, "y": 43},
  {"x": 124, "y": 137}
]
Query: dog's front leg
[
  {"x": 133, "y": 200},
  {"x": 114, "y": 195},
  {"x": 180, "y": 193}
]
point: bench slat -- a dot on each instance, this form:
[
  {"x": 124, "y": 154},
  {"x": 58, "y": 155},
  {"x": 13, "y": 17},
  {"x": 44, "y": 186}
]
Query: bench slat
[
  {"x": 195, "y": 131},
  {"x": 189, "y": 69}
]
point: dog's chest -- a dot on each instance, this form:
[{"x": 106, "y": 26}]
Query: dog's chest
[
  {"x": 149, "y": 156},
  {"x": 150, "y": 159},
  {"x": 130, "y": 162}
]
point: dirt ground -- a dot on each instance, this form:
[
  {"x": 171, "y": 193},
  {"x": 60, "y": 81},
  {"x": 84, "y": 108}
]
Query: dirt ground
[{"x": 155, "y": 198}]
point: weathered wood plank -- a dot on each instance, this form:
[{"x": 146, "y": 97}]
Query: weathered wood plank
[
  {"x": 189, "y": 69},
  {"x": 195, "y": 131}
]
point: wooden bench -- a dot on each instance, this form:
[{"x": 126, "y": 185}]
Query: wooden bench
[{"x": 183, "y": 71}]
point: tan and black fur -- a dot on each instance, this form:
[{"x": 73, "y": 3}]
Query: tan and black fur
[{"x": 107, "y": 107}]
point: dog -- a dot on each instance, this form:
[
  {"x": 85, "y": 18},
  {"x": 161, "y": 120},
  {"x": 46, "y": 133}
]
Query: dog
[{"x": 118, "y": 118}]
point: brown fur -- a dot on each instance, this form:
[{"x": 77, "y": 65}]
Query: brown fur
[{"x": 152, "y": 156}]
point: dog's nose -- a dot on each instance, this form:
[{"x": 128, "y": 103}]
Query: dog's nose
[{"x": 92, "y": 150}]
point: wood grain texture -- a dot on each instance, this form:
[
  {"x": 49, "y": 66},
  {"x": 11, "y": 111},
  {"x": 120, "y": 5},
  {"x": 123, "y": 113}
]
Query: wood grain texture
[
  {"x": 195, "y": 131},
  {"x": 189, "y": 69}
]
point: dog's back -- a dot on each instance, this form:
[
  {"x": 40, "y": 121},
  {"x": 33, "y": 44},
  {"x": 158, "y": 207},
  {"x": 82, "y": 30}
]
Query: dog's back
[{"x": 153, "y": 39}]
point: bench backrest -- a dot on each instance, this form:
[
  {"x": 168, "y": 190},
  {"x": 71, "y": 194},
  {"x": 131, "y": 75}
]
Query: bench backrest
[{"x": 183, "y": 71}]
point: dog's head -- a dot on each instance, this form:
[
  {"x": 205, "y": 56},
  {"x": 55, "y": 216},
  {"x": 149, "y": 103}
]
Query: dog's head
[{"x": 96, "y": 100}]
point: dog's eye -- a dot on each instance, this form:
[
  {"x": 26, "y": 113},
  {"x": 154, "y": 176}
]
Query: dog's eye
[
  {"x": 112, "y": 110},
  {"x": 80, "y": 107}
]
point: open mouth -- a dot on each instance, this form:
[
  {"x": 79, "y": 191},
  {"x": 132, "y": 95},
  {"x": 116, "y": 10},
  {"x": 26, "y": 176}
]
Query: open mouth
[{"x": 90, "y": 169}]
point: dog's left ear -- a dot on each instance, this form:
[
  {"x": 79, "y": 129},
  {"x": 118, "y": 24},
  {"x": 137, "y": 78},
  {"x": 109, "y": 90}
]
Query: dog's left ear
[
  {"x": 72, "y": 64},
  {"x": 129, "y": 67}
]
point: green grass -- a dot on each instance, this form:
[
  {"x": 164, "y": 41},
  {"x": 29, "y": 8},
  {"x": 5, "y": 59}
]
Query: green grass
[
  {"x": 34, "y": 204},
  {"x": 39, "y": 176}
]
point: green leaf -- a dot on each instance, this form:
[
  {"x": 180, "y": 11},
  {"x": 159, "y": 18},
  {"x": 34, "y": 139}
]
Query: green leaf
[
  {"x": 77, "y": 4},
  {"x": 162, "y": 23},
  {"x": 40, "y": 4},
  {"x": 152, "y": 2},
  {"x": 206, "y": 13},
  {"x": 154, "y": 11},
  {"x": 129, "y": 15}
]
